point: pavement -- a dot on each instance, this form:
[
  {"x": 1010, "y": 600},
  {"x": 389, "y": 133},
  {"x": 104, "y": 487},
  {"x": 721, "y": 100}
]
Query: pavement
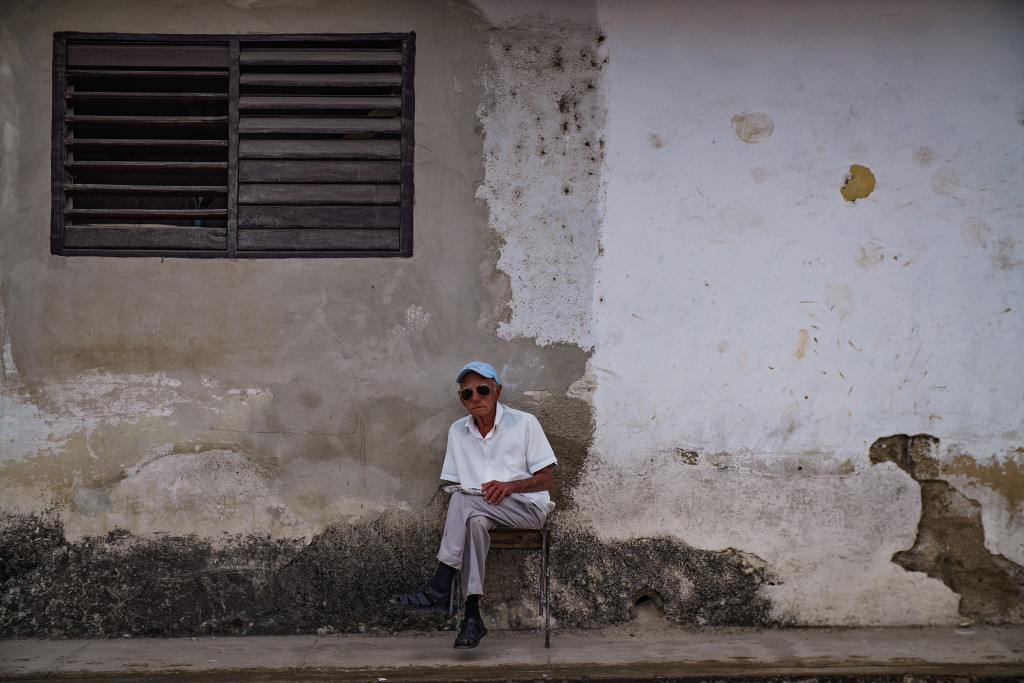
[{"x": 626, "y": 653}]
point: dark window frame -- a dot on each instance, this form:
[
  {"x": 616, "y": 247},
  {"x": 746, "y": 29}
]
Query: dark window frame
[{"x": 364, "y": 226}]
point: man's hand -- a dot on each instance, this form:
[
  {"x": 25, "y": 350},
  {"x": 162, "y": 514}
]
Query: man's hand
[{"x": 495, "y": 491}]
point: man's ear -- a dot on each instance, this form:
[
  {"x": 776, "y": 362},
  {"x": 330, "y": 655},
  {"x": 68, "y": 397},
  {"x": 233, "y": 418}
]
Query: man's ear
[{"x": 497, "y": 392}]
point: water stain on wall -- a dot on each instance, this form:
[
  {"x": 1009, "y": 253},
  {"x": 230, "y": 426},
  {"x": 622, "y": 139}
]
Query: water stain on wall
[
  {"x": 950, "y": 544},
  {"x": 753, "y": 128},
  {"x": 974, "y": 231},
  {"x": 1005, "y": 257},
  {"x": 924, "y": 157},
  {"x": 800, "y": 348},
  {"x": 945, "y": 181}
]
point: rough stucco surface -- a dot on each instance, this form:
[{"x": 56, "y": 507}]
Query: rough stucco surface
[{"x": 542, "y": 122}]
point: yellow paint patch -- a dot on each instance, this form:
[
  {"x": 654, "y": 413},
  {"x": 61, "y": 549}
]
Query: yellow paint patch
[
  {"x": 1005, "y": 477},
  {"x": 859, "y": 184}
]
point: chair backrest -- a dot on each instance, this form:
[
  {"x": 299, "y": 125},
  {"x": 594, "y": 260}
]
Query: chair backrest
[{"x": 517, "y": 538}]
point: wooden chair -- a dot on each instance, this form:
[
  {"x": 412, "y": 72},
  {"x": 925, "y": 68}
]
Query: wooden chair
[{"x": 518, "y": 538}]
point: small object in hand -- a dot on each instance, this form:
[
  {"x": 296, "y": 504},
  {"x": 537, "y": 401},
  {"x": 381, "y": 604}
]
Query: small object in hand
[{"x": 471, "y": 490}]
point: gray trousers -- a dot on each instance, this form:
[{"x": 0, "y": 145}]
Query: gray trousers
[{"x": 465, "y": 541}]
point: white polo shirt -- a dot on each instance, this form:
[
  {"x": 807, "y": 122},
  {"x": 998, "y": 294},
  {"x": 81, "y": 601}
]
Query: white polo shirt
[{"x": 515, "y": 448}]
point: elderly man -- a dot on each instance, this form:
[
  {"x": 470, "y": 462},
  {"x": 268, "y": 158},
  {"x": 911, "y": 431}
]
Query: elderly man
[{"x": 504, "y": 466}]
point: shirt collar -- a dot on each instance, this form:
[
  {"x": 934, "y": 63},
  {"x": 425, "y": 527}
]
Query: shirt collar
[{"x": 471, "y": 423}]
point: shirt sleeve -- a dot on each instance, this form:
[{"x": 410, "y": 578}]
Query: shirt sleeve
[
  {"x": 539, "y": 453},
  {"x": 449, "y": 472}
]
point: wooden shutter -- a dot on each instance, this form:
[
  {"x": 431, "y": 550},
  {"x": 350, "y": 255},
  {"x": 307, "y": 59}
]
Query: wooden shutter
[
  {"x": 141, "y": 131},
  {"x": 325, "y": 146},
  {"x": 232, "y": 146}
]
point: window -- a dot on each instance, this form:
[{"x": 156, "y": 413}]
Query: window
[{"x": 232, "y": 146}]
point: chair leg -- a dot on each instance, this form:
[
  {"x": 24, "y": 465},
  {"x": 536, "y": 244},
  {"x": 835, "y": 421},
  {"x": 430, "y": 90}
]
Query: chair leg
[
  {"x": 455, "y": 604},
  {"x": 545, "y": 588}
]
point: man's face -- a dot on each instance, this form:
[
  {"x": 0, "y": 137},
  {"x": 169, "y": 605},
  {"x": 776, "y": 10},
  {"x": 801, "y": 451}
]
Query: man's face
[{"x": 480, "y": 406}]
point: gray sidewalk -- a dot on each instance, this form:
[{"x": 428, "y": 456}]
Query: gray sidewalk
[{"x": 624, "y": 653}]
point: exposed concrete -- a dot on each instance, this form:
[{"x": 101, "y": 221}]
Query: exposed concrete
[{"x": 950, "y": 542}]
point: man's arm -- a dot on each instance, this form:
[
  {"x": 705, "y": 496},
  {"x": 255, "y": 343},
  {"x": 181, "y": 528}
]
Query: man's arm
[{"x": 542, "y": 480}]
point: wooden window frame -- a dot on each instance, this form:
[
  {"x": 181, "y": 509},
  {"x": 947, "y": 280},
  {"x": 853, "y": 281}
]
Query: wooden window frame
[{"x": 347, "y": 192}]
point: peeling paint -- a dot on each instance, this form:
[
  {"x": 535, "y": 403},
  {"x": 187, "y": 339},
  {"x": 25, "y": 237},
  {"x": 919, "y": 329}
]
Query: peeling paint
[
  {"x": 859, "y": 183},
  {"x": 1005, "y": 475},
  {"x": 950, "y": 544},
  {"x": 542, "y": 124}
]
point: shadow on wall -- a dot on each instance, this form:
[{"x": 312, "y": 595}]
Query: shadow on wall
[{"x": 950, "y": 543}]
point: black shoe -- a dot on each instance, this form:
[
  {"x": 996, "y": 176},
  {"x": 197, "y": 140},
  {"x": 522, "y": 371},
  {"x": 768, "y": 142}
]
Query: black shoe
[
  {"x": 470, "y": 634},
  {"x": 426, "y": 599}
]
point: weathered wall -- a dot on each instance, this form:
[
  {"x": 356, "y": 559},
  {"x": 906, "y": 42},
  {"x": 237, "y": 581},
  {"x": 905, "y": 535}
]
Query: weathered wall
[
  {"x": 176, "y": 432},
  {"x": 729, "y": 253},
  {"x": 763, "y": 315}
]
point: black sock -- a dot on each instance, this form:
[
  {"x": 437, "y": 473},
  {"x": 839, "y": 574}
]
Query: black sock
[
  {"x": 442, "y": 581},
  {"x": 473, "y": 607}
]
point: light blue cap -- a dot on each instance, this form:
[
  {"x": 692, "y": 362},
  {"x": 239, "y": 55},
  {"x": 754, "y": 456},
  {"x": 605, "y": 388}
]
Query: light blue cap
[{"x": 480, "y": 368}]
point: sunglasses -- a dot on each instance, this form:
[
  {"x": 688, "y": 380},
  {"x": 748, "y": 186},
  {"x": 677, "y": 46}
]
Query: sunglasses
[{"x": 467, "y": 393}]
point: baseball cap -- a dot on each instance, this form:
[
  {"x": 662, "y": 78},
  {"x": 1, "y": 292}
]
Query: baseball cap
[{"x": 480, "y": 368}]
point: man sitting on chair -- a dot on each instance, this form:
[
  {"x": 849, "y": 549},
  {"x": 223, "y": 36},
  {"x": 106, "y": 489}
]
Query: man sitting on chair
[{"x": 505, "y": 467}]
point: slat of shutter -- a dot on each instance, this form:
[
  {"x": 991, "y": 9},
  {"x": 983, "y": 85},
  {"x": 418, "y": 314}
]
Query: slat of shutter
[
  {"x": 318, "y": 217},
  {"x": 145, "y": 189},
  {"x": 317, "y": 57},
  {"x": 318, "y": 240},
  {"x": 157, "y": 121},
  {"x": 119, "y": 166},
  {"x": 257, "y": 171},
  {"x": 323, "y": 80},
  {"x": 323, "y": 193},
  {"x": 144, "y": 237},
  {"x": 263, "y": 148},
  {"x": 302, "y": 125},
  {"x": 89, "y": 96},
  {"x": 107, "y": 142},
  {"x": 259, "y": 102},
  {"x": 148, "y": 54},
  {"x": 190, "y": 74},
  {"x": 146, "y": 213}
]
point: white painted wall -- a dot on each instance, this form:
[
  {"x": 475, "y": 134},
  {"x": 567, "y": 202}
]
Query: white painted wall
[{"x": 744, "y": 310}]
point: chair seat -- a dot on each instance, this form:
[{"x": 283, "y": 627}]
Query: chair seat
[{"x": 517, "y": 538}]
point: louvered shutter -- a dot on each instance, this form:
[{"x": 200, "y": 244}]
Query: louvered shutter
[
  {"x": 325, "y": 142},
  {"x": 228, "y": 146},
  {"x": 142, "y": 149}
]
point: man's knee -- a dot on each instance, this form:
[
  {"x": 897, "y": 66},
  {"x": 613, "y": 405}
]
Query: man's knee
[{"x": 480, "y": 524}]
